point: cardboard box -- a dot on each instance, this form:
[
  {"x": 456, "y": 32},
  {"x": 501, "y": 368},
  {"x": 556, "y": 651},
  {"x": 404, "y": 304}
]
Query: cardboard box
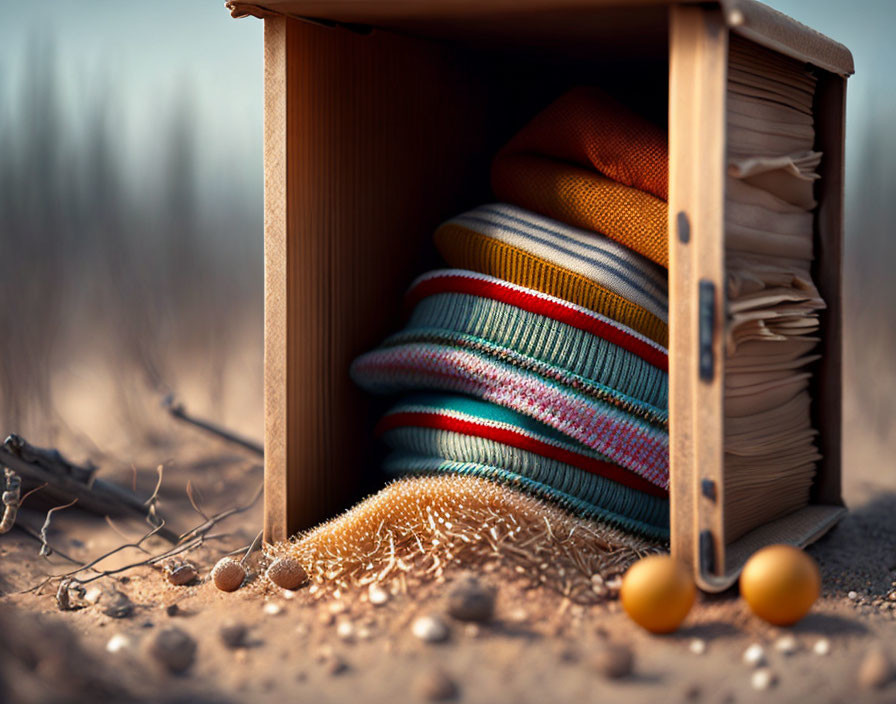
[{"x": 381, "y": 117}]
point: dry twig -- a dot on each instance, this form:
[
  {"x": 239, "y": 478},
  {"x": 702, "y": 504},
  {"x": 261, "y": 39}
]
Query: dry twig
[
  {"x": 45, "y": 549},
  {"x": 176, "y": 410}
]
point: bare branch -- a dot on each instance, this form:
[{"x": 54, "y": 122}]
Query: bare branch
[
  {"x": 45, "y": 549},
  {"x": 193, "y": 502},
  {"x": 12, "y": 490},
  {"x": 253, "y": 547},
  {"x": 177, "y": 410}
]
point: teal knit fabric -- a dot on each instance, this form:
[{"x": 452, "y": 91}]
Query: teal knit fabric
[
  {"x": 541, "y": 338},
  {"x": 467, "y": 430},
  {"x": 403, "y": 463}
]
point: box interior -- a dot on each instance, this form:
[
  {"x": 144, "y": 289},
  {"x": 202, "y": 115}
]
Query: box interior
[{"x": 391, "y": 131}]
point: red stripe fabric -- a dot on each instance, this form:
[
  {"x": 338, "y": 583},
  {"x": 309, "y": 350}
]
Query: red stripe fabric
[
  {"x": 453, "y": 283},
  {"x": 521, "y": 441}
]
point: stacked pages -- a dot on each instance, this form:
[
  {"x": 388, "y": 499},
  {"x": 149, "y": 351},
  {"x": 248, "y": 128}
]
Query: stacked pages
[{"x": 770, "y": 450}]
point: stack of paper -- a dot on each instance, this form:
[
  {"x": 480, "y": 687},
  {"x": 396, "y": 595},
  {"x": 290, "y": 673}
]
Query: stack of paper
[{"x": 773, "y": 305}]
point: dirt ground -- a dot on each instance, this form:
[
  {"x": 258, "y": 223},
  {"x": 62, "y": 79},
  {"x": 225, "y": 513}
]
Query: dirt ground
[{"x": 300, "y": 647}]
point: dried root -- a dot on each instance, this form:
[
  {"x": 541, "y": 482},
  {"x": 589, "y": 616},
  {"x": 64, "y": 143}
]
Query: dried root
[{"x": 422, "y": 527}]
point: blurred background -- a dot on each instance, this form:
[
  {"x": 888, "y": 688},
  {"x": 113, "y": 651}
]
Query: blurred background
[{"x": 131, "y": 218}]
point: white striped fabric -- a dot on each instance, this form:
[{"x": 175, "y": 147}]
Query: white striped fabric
[{"x": 587, "y": 253}]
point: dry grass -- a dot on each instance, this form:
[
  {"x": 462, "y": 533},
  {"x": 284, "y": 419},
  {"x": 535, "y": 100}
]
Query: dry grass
[{"x": 422, "y": 528}]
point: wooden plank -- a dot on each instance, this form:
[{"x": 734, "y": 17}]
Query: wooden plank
[
  {"x": 276, "y": 312},
  {"x": 698, "y": 55},
  {"x": 827, "y": 386}
]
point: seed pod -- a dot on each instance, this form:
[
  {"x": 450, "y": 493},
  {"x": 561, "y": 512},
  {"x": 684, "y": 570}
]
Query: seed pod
[
  {"x": 287, "y": 573},
  {"x": 181, "y": 574},
  {"x": 228, "y": 574}
]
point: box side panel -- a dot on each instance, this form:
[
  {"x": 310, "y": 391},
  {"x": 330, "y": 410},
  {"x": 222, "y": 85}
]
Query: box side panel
[
  {"x": 697, "y": 87},
  {"x": 276, "y": 359},
  {"x": 827, "y": 374},
  {"x": 368, "y": 144}
]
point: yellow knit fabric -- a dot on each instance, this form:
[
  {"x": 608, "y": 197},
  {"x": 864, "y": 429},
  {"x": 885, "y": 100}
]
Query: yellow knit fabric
[
  {"x": 584, "y": 199},
  {"x": 467, "y": 249}
]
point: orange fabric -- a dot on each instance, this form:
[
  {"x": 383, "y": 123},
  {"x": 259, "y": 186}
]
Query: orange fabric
[{"x": 591, "y": 162}]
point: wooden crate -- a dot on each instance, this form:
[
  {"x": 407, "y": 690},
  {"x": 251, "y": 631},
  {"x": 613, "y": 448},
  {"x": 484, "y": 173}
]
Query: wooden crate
[{"x": 381, "y": 117}]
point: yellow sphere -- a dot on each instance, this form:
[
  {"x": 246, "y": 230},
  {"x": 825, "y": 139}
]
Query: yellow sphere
[
  {"x": 780, "y": 583},
  {"x": 657, "y": 593}
]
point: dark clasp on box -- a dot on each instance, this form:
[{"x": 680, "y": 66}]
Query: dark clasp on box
[
  {"x": 684, "y": 227},
  {"x": 707, "y": 314}
]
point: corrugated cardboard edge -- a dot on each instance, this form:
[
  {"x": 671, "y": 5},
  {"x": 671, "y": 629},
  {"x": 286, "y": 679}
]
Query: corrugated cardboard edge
[{"x": 753, "y": 20}]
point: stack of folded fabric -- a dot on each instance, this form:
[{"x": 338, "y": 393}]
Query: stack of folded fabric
[
  {"x": 772, "y": 302},
  {"x": 540, "y": 360}
]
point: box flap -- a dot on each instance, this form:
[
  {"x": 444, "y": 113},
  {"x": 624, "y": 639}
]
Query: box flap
[{"x": 501, "y": 19}]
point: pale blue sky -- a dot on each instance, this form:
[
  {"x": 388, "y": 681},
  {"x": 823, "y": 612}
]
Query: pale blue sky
[{"x": 148, "y": 53}]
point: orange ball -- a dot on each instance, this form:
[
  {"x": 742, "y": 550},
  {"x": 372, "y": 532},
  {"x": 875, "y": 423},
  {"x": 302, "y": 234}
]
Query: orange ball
[
  {"x": 780, "y": 583},
  {"x": 657, "y": 593}
]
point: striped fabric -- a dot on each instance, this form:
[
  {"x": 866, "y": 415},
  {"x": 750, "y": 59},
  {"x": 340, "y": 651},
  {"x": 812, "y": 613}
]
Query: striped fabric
[
  {"x": 591, "y": 255},
  {"x": 630, "y": 433},
  {"x": 502, "y": 437},
  {"x": 635, "y": 514},
  {"x": 558, "y": 336},
  {"x": 467, "y": 249},
  {"x": 529, "y": 300}
]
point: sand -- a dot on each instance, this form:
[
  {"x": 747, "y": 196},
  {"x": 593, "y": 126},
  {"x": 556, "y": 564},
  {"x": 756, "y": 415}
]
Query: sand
[{"x": 301, "y": 646}]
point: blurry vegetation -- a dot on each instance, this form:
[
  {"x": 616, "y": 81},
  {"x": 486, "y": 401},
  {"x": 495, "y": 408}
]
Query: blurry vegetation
[
  {"x": 111, "y": 266},
  {"x": 123, "y": 267}
]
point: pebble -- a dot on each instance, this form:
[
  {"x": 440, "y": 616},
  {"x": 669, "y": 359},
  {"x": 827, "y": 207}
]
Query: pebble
[
  {"x": 613, "y": 660},
  {"x": 117, "y": 643},
  {"x": 287, "y": 573},
  {"x": 228, "y": 574},
  {"x": 182, "y": 574},
  {"x": 174, "y": 648},
  {"x": 852, "y": 596},
  {"x": 377, "y": 595},
  {"x": 335, "y": 665},
  {"x": 172, "y": 609},
  {"x": 118, "y": 605},
  {"x": 697, "y": 646},
  {"x": 430, "y": 629},
  {"x": 469, "y": 600},
  {"x": 434, "y": 685},
  {"x": 763, "y": 679},
  {"x": 822, "y": 647},
  {"x": 754, "y": 655},
  {"x": 345, "y": 630},
  {"x": 233, "y": 634},
  {"x": 786, "y": 645},
  {"x": 876, "y": 669},
  {"x": 93, "y": 595},
  {"x": 272, "y": 608}
]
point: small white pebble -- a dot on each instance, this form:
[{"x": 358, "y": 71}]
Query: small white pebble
[
  {"x": 852, "y": 596},
  {"x": 288, "y": 594},
  {"x": 697, "y": 646},
  {"x": 336, "y": 607},
  {"x": 822, "y": 647},
  {"x": 763, "y": 679},
  {"x": 92, "y": 595},
  {"x": 345, "y": 630},
  {"x": 117, "y": 643},
  {"x": 430, "y": 629},
  {"x": 786, "y": 645},
  {"x": 377, "y": 595},
  {"x": 272, "y": 608},
  {"x": 754, "y": 655}
]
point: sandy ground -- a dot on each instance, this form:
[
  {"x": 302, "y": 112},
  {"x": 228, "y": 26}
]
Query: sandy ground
[{"x": 299, "y": 647}]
